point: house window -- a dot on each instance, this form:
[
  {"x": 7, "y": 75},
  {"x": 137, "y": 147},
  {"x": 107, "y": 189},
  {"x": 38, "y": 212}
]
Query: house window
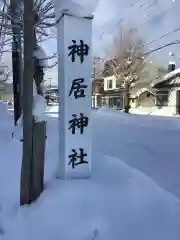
[
  {"x": 162, "y": 98},
  {"x": 109, "y": 84}
]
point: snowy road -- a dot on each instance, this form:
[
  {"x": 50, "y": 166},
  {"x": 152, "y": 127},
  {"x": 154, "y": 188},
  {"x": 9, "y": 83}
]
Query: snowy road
[{"x": 149, "y": 144}]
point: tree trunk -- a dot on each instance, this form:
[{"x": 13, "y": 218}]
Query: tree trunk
[
  {"x": 127, "y": 97},
  {"x": 26, "y": 168}
]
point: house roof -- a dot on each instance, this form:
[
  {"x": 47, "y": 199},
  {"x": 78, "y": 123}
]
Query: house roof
[
  {"x": 110, "y": 65},
  {"x": 168, "y": 77},
  {"x": 140, "y": 87},
  {"x": 136, "y": 93}
]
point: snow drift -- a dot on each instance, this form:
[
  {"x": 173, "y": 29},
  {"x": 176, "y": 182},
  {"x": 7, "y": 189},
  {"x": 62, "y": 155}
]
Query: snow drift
[{"x": 122, "y": 200}]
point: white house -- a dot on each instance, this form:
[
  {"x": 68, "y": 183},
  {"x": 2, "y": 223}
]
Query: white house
[
  {"x": 168, "y": 92},
  {"x": 110, "y": 83}
]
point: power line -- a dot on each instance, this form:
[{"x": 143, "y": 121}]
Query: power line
[
  {"x": 122, "y": 19},
  {"x": 163, "y": 36}
]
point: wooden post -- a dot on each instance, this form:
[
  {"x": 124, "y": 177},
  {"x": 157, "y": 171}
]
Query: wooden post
[
  {"x": 39, "y": 139},
  {"x": 26, "y": 170}
]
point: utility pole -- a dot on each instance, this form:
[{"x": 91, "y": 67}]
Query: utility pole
[
  {"x": 16, "y": 58},
  {"x": 26, "y": 170}
]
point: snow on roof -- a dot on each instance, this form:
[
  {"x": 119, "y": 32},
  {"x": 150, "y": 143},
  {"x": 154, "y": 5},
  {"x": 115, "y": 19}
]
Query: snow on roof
[
  {"x": 79, "y": 8},
  {"x": 168, "y": 76},
  {"x": 141, "y": 91}
]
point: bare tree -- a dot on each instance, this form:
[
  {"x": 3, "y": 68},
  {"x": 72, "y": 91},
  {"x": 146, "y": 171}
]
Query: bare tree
[
  {"x": 34, "y": 130},
  {"x": 45, "y": 24},
  {"x": 127, "y": 61},
  {"x": 11, "y": 38},
  {"x": 4, "y": 74},
  {"x": 34, "y": 24}
]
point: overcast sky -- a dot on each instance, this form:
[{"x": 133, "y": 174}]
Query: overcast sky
[{"x": 153, "y": 18}]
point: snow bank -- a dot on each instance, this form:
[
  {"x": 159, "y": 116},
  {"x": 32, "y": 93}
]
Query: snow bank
[
  {"x": 141, "y": 110},
  {"x": 3, "y": 108},
  {"x": 10, "y": 150},
  {"x": 164, "y": 111},
  {"x": 5, "y": 120},
  {"x": 133, "y": 192},
  {"x": 118, "y": 202}
]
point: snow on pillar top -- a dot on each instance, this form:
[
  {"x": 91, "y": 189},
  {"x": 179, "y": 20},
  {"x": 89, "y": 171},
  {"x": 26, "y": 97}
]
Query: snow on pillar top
[{"x": 77, "y": 8}]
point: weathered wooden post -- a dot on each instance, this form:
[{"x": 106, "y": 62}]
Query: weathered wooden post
[
  {"x": 39, "y": 138},
  {"x": 39, "y": 142}
]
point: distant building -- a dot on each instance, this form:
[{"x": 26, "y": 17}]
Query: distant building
[
  {"x": 144, "y": 97},
  {"x": 168, "y": 91},
  {"x": 6, "y": 92},
  {"x": 51, "y": 94}
]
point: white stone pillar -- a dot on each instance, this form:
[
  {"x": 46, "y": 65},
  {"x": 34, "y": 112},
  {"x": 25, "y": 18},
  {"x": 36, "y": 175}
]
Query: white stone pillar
[{"x": 74, "y": 76}]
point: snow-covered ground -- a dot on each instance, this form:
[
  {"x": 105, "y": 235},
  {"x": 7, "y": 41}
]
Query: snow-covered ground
[
  {"x": 134, "y": 192},
  {"x": 164, "y": 111}
]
